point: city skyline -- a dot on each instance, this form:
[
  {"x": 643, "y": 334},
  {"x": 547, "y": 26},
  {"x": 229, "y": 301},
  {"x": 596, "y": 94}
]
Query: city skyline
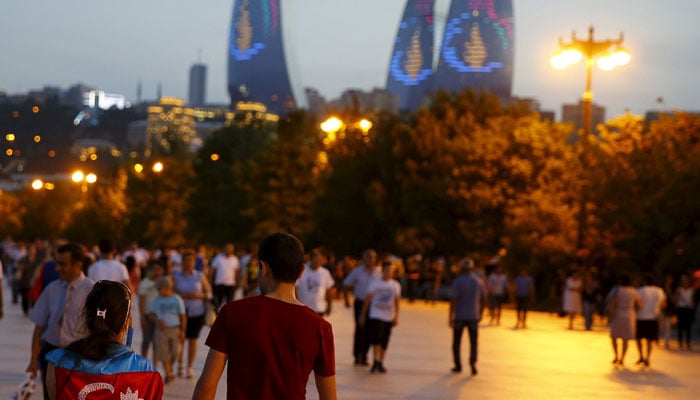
[{"x": 333, "y": 46}]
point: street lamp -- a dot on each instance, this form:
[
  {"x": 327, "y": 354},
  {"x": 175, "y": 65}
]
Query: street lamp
[
  {"x": 607, "y": 54},
  {"x": 84, "y": 179}
]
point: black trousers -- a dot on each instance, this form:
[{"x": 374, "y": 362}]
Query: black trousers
[
  {"x": 685, "y": 323},
  {"x": 361, "y": 341},
  {"x": 472, "y": 328},
  {"x": 223, "y": 294}
]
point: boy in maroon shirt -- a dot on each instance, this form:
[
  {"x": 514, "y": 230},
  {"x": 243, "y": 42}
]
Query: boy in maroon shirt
[{"x": 271, "y": 342}]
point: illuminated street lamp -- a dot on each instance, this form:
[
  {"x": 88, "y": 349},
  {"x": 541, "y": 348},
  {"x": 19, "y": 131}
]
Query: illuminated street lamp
[
  {"x": 335, "y": 128},
  {"x": 158, "y": 167},
  {"x": 83, "y": 179},
  {"x": 607, "y": 54}
]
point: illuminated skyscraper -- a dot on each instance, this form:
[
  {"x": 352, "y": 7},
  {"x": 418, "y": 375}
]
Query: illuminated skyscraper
[
  {"x": 477, "y": 47},
  {"x": 411, "y": 64},
  {"x": 257, "y": 68}
]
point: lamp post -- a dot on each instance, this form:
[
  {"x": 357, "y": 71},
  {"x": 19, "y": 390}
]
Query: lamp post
[{"x": 607, "y": 54}]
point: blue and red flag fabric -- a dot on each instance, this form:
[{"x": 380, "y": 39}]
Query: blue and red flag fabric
[{"x": 125, "y": 375}]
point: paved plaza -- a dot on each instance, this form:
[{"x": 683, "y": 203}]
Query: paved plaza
[{"x": 545, "y": 361}]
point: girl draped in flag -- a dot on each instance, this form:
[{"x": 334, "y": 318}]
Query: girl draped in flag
[{"x": 99, "y": 366}]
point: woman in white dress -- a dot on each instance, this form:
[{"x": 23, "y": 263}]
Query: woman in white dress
[{"x": 572, "y": 297}]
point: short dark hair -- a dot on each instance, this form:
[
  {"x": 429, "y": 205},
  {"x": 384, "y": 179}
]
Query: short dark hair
[
  {"x": 284, "y": 254},
  {"x": 74, "y": 249},
  {"x": 106, "y": 246}
]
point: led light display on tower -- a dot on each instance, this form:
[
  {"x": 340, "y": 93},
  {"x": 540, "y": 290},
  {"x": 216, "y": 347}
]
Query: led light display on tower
[
  {"x": 257, "y": 68},
  {"x": 411, "y": 64},
  {"x": 477, "y": 47}
]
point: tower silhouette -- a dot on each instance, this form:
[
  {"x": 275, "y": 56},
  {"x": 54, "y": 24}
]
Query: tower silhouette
[
  {"x": 411, "y": 65},
  {"x": 477, "y": 47},
  {"x": 257, "y": 68}
]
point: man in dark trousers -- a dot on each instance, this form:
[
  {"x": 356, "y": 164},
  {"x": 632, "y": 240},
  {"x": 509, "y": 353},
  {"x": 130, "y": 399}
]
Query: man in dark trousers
[
  {"x": 468, "y": 297},
  {"x": 358, "y": 281}
]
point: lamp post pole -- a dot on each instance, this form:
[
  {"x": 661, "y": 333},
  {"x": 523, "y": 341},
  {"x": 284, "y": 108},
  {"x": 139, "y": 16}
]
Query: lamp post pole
[{"x": 607, "y": 54}]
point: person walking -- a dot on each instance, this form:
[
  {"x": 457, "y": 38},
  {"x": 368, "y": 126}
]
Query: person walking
[
  {"x": 57, "y": 314},
  {"x": 225, "y": 274},
  {"x": 107, "y": 267},
  {"x": 358, "y": 281},
  {"x": 100, "y": 362},
  {"x": 270, "y": 357},
  {"x": 685, "y": 310},
  {"x": 653, "y": 301},
  {"x": 147, "y": 292},
  {"x": 466, "y": 307},
  {"x": 497, "y": 287},
  {"x": 315, "y": 287},
  {"x": 572, "y": 297},
  {"x": 380, "y": 313},
  {"x": 167, "y": 311},
  {"x": 623, "y": 301},
  {"x": 524, "y": 293},
  {"x": 193, "y": 287},
  {"x": 589, "y": 296}
]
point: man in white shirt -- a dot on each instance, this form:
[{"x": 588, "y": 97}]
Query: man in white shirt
[
  {"x": 107, "y": 268},
  {"x": 653, "y": 301},
  {"x": 225, "y": 273},
  {"x": 358, "y": 281},
  {"x": 315, "y": 287}
]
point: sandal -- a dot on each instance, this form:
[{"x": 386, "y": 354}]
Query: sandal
[{"x": 179, "y": 371}]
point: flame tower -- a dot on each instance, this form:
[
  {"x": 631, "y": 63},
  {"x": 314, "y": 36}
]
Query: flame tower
[
  {"x": 257, "y": 68},
  {"x": 411, "y": 65},
  {"x": 477, "y": 47}
]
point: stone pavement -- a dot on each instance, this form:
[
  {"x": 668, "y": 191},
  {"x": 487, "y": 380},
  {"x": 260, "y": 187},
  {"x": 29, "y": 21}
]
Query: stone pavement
[{"x": 545, "y": 361}]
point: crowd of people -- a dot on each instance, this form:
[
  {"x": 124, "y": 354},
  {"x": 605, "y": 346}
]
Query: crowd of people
[{"x": 178, "y": 291}]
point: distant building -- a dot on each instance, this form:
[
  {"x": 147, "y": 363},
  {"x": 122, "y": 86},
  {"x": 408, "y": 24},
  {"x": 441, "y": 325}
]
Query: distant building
[
  {"x": 197, "y": 94},
  {"x": 574, "y": 113},
  {"x": 167, "y": 120},
  {"x": 257, "y": 68},
  {"x": 477, "y": 48},
  {"x": 411, "y": 64}
]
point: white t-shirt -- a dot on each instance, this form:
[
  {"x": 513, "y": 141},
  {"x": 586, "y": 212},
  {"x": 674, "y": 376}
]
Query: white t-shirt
[
  {"x": 108, "y": 270},
  {"x": 225, "y": 269},
  {"x": 652, "y": 297},
  {"x": 312, "y": 288},
  {"x": 385, "y": 294}
]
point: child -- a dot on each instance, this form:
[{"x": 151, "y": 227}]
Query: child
[
  {"x": 167, "y": 310},
  {"x": 382, "y": 302}
]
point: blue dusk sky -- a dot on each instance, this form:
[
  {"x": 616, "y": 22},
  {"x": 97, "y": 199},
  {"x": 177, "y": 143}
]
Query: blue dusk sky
[{"x": 333, "y": 45}]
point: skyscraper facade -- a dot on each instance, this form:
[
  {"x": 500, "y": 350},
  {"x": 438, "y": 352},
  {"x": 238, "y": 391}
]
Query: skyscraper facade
[
  {"x": 198, "y": 85},
  {"x": 477, "y": 47},
  {"x": 257, "y": 68},
  {"x": 411, "y": 65}
]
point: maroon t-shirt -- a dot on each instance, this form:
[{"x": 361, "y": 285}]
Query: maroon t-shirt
[{"x": 272, "y": 347}]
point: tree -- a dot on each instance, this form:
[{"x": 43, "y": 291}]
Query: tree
[{"x": 219, "y": 194}]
